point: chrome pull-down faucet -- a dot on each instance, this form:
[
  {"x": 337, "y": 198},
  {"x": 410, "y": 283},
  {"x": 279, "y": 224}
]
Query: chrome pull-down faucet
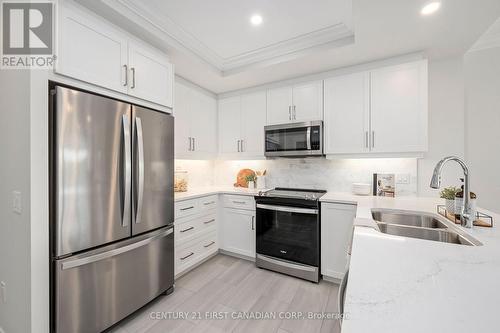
[{"x": 466, "y": 218}]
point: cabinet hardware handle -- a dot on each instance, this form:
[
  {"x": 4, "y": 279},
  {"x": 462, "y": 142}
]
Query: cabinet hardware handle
[
  {"x": 210, "y": 244},
  {"x": 294, "y": 113},
  {"x": 187, "y": 208},
  {"x": 209, "y": 221},
  {"x": 373, "y": 139},
  {"x": 189, "y": 255},
  {"x": 366, "y": 139},
  {"x": 239, "y": 202},
  {"x": 194, "y": 144},
  {"x": 186, "y": 230},
  {"x": 238, "y": 145},
  {"x": 133, "y": 78},
  {"x": 126, "y": 75},
  {"x": 253, "y": 219},
  {"x": 289, "y": 112},
  {"x": 242, "y": 149},
  {"x": 209, "y": 203}
]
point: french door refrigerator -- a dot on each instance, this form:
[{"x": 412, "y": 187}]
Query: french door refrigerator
[{"x": 112, "y": 209}]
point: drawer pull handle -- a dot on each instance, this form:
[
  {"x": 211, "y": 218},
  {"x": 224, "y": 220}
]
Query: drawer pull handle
[
  {"x": 185, "y": 230},
  {"x": 240, "y": 202},
  {"x": 210, "y": 244},
  {"x": 189, "y": 255},
  {"x": 209, "y": 221},
  {"x": 209, "y": 203},
  {"x": 187, "y": 208}
]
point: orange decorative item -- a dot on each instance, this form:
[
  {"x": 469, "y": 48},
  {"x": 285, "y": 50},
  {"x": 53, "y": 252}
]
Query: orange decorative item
[{"x": 241, "y": 178}]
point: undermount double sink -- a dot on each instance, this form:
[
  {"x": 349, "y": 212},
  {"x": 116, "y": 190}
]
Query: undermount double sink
[{"x": 421, "y": 226}]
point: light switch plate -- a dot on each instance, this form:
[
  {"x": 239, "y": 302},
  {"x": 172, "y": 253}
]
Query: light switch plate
[{"x": 17, "y": 203}]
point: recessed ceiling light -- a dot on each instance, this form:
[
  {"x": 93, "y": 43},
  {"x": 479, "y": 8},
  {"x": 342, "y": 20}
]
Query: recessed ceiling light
[
  {"x": 430, "y": 8},
  {"x": 256, "y": 19}
]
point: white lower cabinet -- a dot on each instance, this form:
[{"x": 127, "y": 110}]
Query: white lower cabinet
[
  {"x": 237, "y": 230},
  {"x": 336, "y": 233},
  {"x": 195, "y": 232}
]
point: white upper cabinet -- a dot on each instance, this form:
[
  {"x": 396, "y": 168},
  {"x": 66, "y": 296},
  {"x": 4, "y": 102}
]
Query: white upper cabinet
[
  {"x": 399, "y": 108},
  {"x": 151, "y": 74},
  {"x": 195, "y": 115},
  {"x": 307, "y": 101},
  {"x": 347, "y": 114},
  {"x": 91, "y": 50},
  {"x": 301, "y": 102},
  {"x": 253, "y": 117},
  {"x": 377, "y": 112},
  {"x": 241, "y": 125},
  {"x": 279, "y": 106}
]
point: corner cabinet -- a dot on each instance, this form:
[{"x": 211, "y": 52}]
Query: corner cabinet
[
  {"x": 241, "y": 126},
  {"x": 336, "y": 235},
  {"x": 237, "y": 233},
  {"x": 195, "y": 113},
  {"x": 379, "y": 111},
  {"x": 298, "y": 103},
  {"x": 92, "y": 50}
]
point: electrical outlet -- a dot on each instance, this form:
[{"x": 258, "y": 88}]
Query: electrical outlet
[
  {"x": 17, "y": 203},
  {"x": 403, "y": 178},
  {"x": 3, "y": 292}
]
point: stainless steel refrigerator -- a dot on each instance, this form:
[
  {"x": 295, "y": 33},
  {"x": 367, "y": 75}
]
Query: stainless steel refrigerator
[{"x": 112, "y": 209}]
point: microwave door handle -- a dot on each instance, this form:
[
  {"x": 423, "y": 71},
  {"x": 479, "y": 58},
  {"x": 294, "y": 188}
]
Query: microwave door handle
[
  {"x": 309, "y": 138},
  {"x": 127, "y": 174}
]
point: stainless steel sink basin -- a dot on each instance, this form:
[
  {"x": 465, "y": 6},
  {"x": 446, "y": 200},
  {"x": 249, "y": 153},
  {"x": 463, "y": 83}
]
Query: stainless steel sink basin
[
  {"x": 439, "y": 235},
  {"x": 409, "y": 219}
]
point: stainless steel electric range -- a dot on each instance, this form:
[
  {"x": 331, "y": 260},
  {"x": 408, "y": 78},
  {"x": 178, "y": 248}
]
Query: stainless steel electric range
[{"x": 288, "y": 231}]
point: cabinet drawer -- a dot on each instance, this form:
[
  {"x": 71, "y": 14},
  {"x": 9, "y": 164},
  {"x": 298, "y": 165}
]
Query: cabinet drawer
[
  {"x": 193, "y": 226},
  {"x": 207, "y": 203},
  {"x": 186, "y": 208},
  {"x": 195, "y": 251},
  {"x": 239, "y": 202}
]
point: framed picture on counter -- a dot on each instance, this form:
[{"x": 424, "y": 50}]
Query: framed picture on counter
[{"x": 384, "y": 184}]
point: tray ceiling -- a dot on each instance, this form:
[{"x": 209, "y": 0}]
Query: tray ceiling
[{"x": 220, "y": 33}]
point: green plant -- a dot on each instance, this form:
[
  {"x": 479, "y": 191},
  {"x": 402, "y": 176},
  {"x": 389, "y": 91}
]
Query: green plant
[
  {"x": 449, "y": 193},
  {"x": 250, "y": 178}
]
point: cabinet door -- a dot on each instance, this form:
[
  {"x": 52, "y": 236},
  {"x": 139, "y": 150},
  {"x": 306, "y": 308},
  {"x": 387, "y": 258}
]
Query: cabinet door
[
  {"x": 336, "y": 235},
  {"x": 253, "y": 120},
  {"x": 182, "y": 121},
  {"x": 399, "y": 108},
  {"x": 308, "y": 101},
  {"x": 279, "y": 102},
  {"x": 203, "y": 123},
  {"x": 347, "y": 114},
  {"x": 238, "y": 234},
  {"x": 229, "y": 125},
  {"x": 90, "y": 50},
  {"x": 151, "y": 75}
]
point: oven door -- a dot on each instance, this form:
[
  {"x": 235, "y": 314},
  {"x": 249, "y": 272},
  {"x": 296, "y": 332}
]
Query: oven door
[
  {"x": 300, "y": 139},
  {"x": 288, "y": 233}
]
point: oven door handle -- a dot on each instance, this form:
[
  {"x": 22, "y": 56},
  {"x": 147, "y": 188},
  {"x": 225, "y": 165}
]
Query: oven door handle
[{"x": 288, "y": 209}]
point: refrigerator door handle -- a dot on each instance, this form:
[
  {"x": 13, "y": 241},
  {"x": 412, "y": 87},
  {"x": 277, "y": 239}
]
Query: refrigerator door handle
[
  {"x": 113, "y": 253},
  {"x": 140, "y": 171},
  {"x": 127, "y": 174}
]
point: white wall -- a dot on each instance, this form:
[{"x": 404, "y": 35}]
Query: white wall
[
  {"x": 482, "y": 82},
  {"x": 446, "y": 123},
  {"x": 15, "y": 176}
]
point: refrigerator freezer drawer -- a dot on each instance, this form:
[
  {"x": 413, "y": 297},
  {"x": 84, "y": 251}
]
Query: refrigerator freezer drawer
[{"x": 97, "y": 289}]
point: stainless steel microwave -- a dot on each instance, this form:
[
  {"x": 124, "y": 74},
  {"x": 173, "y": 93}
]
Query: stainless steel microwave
[{"x": 294, "y": 140}]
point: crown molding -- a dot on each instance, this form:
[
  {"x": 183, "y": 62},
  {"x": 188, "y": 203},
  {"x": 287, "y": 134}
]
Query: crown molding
[
  {"x": 166, "y": 29},
  {"x": 486, "y": 42}
]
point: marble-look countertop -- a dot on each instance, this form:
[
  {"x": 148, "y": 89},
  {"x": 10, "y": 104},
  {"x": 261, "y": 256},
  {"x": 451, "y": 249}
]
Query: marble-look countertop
[{"x": 399, "y": 284}]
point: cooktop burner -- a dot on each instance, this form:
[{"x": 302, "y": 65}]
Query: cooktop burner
[{"x": 297, "y": 193}]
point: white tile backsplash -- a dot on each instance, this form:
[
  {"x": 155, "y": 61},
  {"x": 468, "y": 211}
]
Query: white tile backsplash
[{"x": 333, "y": 175}]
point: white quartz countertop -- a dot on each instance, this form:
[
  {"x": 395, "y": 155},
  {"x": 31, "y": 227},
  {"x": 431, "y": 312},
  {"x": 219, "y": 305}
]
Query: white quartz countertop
[
  {"x": 204, "y": 191},
  {"x": 399, "y": 284}
]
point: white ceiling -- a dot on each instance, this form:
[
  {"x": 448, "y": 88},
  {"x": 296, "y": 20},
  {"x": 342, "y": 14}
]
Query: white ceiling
[{"x": 382, "y": 28}]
